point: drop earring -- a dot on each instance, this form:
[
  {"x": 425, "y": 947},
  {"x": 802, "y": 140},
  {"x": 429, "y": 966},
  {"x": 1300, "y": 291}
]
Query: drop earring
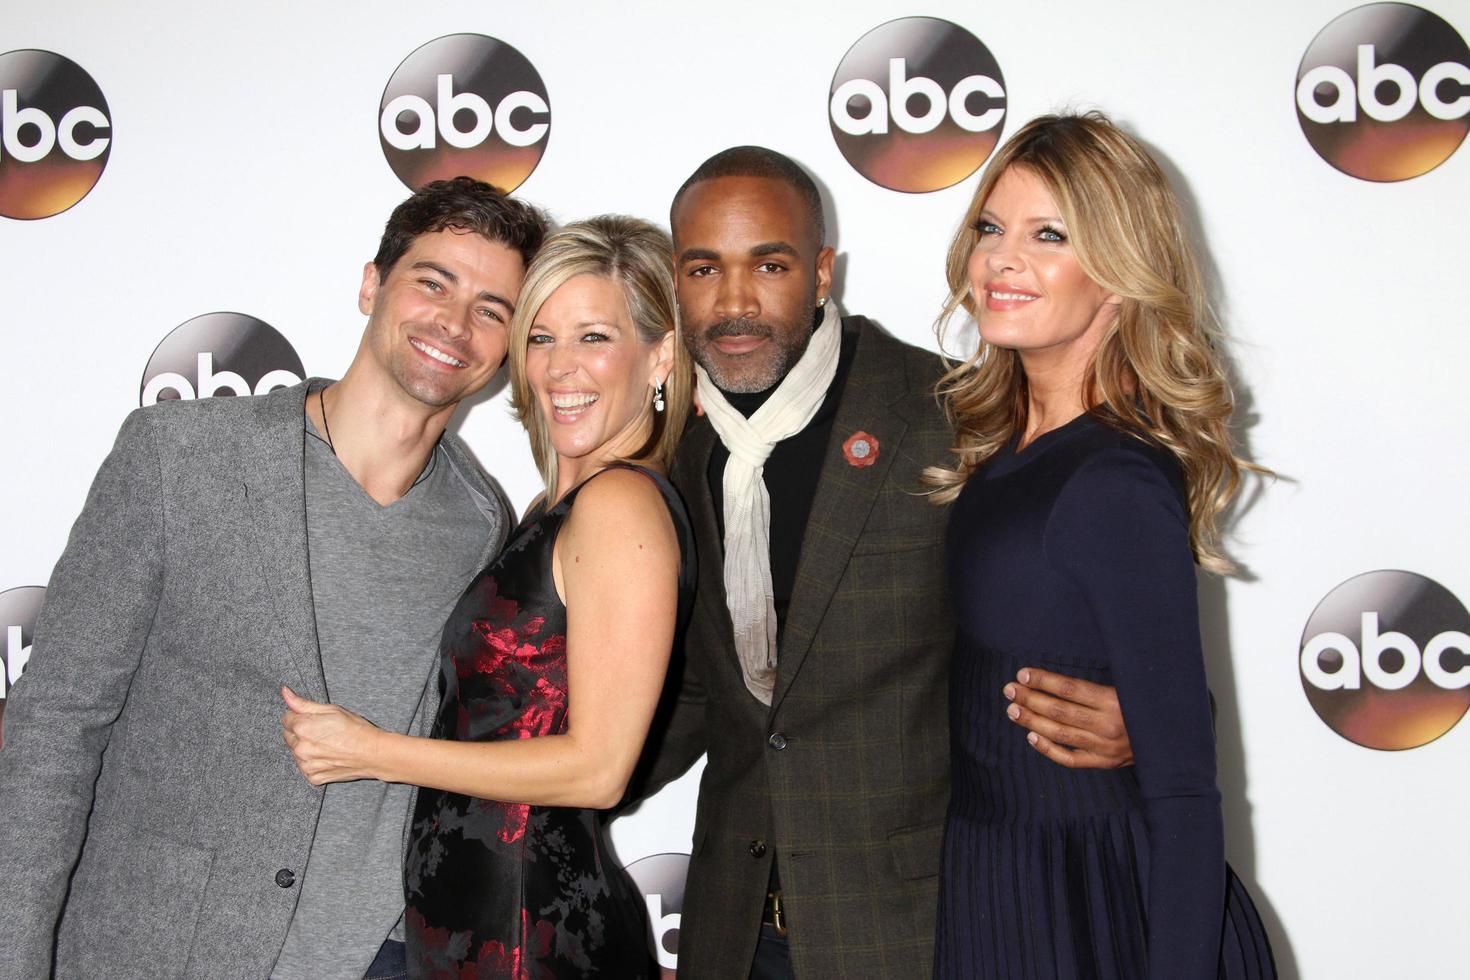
[{"x": 658, "y": 396}]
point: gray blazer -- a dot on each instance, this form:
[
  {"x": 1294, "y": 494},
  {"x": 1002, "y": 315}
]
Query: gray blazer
[
  {"x": 846, "y": 775},
  {"x": 151, "y": 817}
]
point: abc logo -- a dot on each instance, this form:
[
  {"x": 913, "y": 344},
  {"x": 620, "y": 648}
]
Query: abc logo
[
  {"x": 917, "y": 104},
  {"x": 1385, "y": 660},
  {"x": 464, "y": 104},
  {"x": 220, "y": 354},
  {"x": 54, "y": 134},
  {"x": 19, "y": 609},
  {"x": 1383, "y": 92},
  {"x": 659, "y": 878}
]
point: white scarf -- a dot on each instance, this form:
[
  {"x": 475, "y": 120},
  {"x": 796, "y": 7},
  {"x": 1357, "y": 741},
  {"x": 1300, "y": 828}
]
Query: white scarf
[{"x": 748, "y": 591}]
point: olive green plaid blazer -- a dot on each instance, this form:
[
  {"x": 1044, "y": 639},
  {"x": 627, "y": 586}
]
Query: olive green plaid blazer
[{"x": 846, "y": 775}]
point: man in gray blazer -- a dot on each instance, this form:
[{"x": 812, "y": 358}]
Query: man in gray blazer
[
  {"x": 824, "y": 795},
  {"x": 152, "y": 819}
]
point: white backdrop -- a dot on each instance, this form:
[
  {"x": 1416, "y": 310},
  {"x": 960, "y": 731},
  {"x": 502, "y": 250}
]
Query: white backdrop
[{"x": 245, "y": 174}]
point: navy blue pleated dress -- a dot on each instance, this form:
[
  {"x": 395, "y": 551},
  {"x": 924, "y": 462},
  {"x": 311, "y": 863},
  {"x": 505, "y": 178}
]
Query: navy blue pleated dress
[{"x": 1073, "y": 555}]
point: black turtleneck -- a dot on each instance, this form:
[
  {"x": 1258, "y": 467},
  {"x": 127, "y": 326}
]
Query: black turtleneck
[{"x": 791, "y": 474}]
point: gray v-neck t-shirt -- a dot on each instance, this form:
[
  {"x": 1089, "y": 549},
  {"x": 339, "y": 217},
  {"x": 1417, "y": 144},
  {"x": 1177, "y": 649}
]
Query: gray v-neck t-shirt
[{"x": 383, "y": 581}]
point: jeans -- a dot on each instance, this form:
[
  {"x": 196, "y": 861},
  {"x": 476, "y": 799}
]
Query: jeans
[
  {"x": 772, "y": 956},
  {"x": 391, "y": 963}
]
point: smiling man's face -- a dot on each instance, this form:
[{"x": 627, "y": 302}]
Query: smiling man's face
[
  {"x": 438, "y": 321},
  {"x": 750, "y": 271}
]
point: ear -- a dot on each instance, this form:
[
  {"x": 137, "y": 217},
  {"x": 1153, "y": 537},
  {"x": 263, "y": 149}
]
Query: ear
[
  {"x": 663, "y": 363},
  {"x": 368, "y": 291},
  {"x": 825, "y": 258},
  {"x": 1107, "y": 311}
]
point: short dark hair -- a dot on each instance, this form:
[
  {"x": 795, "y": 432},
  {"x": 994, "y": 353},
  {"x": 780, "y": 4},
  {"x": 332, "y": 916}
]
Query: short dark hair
[
  {"x": 767, "y": 164},
  {"x": 461, "y": 204}
]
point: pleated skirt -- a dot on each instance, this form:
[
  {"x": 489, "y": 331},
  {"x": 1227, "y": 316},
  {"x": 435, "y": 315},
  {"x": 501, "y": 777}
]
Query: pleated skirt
[{"x": 1064, "y": 900}]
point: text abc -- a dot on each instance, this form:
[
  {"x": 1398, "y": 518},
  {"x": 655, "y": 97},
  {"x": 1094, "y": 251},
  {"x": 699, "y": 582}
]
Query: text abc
[
  {"x": 212, "y": 382},
  {"x": 1356, "y": 662},
  {"x": 894, "y": 103},
  {"x": 50, "y": 134},
  {"x": 487, "y": 120},
  {"x": 662, "y": 925},
  {"x": 16, "y": 655},
  {"x": 1363, "y": 91}
]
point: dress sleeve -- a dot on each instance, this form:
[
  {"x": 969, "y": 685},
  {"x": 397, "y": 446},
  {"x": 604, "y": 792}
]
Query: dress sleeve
[{"x": 1119, "y": 532}]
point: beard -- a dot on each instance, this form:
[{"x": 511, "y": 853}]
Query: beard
[{"x": 757, "y": 371}]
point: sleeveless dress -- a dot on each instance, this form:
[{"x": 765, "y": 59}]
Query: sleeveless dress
[
  {"x": 1073, "y": 555},
  {"x": 507, "y": 890}
]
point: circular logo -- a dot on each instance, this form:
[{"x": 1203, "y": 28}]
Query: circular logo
[
  {"x": 1383, "y": 92},
  {"x": 464, "y": 104},
  {"x": 917, "y": 104},
  {"x": 659, "y": 878},
  {"x": 55, "y": 132},
  {"x": 220, "y": 354},
  {"x": 1385, "y": 660},
  {"x": 19, "y": 609}
]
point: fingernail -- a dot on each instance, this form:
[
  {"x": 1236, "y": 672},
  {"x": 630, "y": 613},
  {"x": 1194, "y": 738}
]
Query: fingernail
[
  {"x": 1013, "y": 712},
  {"x": 1032, "y": 737},
  {"x": 1010, "y": 690},
  {"x": 1024, "y": 676}
]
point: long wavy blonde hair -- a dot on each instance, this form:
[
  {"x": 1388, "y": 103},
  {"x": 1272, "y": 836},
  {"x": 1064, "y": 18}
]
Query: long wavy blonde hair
[
  {"x": 1157, "y": 371},
  {"x": 639, "y": 257}
]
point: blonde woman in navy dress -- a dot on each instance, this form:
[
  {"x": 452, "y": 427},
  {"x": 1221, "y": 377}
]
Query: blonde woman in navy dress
[
  {"x": 553, "y": 660},
  {"x": 1093, "y": 461}
]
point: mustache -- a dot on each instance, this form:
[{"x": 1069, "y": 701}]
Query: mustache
[{"x": 737, "y": 328}]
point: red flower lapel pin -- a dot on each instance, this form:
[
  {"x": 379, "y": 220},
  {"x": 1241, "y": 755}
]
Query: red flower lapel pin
[{"x": 860, "y": 449}]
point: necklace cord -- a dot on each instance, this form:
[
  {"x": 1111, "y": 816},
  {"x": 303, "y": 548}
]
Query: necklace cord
[{"x": 321, "y": 398}]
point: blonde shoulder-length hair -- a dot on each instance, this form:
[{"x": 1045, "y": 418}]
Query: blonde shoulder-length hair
[
  {"x": 639, "y": 257},
  {"x": 1158, "y": 371}
]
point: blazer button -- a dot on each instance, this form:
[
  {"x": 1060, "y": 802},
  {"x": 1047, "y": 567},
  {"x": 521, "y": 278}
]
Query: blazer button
[
  {"x": 777, "y": 741},
  {"x": 285, "y": 877},
  {"x": 757, "y": 848}
]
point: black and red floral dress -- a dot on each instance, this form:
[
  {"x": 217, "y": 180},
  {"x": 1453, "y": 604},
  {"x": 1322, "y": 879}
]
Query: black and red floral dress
[{"x": 501, "y": 889}]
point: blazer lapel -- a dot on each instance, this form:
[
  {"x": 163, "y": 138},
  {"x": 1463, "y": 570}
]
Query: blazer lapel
[
  {"x": 845, "y": 493},
  {"x": 275, "y": 491}
]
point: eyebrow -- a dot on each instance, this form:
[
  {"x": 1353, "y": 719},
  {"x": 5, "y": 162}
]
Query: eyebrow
[
  {"x": 485, "y": 295},
  {"x": 1055, "y": 218},
  {"x": 606, "y": 325},
  {"x": 756, "y": 251},
  {"x": 773, "y": 248}
]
